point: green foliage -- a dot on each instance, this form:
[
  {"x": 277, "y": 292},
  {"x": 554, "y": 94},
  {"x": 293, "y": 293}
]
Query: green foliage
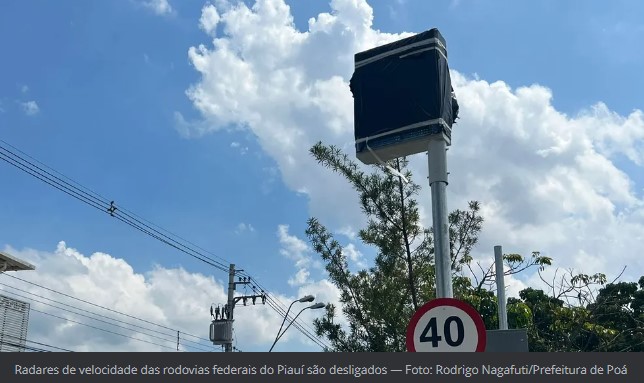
[
  {"x": 379, "y": 301},
  {"x": 519, "y": 314},
  {"x": 611, "y": 321}
]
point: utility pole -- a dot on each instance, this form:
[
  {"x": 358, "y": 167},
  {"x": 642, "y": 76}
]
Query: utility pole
[
  {"x": 221, "y": 328},
  {"x": 500, "y": 288},
  {"x": 231, "y": 305}
]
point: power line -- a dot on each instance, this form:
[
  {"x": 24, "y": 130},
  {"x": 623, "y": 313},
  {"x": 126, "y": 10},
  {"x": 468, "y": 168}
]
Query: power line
[
  {"x": 104, "y": 308},
  {"x": 18, "y": 339},
  {"x": 99, "y": 320},
  {"x": 76, "y": 185},
  {"x": 299, "y": 327},
  {"x": 93, "y": 199},
  {"x": 279, "y": 307},
  {"x": 100, "y": 329},
  {"x": 102, "y": 205},
  {"x": 23, "y": 346}
]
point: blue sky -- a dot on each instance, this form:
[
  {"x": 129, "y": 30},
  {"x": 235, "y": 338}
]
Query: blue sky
[{"x": 108, "y": 93}]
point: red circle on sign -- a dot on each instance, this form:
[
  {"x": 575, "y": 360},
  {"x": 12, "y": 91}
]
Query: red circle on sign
[{"x": 469, "y": 310}]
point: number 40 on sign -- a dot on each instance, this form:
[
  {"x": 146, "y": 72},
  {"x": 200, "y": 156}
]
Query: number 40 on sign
[{"x": 446, "y": 325}]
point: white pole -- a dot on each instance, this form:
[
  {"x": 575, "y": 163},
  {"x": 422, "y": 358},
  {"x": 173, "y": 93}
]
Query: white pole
[
  {"x": 437, "y": 158},
  {"x": 500, "y": 288}
]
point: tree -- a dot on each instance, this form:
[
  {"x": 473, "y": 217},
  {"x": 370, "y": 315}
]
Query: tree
[
  {"x": 579, "y": 312},
  {"x": 619, "y": 308},
  {"x": 379, "y": 301}
]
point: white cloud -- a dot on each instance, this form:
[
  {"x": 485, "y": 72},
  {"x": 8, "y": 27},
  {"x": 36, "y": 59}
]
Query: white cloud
[
  {"x": 547, "y": 181},
  {"x": 614, "y": 134},
  {"x": 513, "y": 285},
  {"x": 209, "y": 18},
  {"x": 24, "y": 89},
  {"x": 324, "y": 292},
  {"x": 348, "y": 232},
  {"x": 293, "y": 248},
  {"x": 354, "y": 255},
  {"x": 300, "y": 278},
  {"x": 160, "y": 7},
  {"x": 171, "y": 297},
  {"x": 266, "y": 76},
  {"x": 244, "y": 228},
  {"x": 30, "y": 108}
]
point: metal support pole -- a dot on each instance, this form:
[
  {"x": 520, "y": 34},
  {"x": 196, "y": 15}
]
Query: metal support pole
[
  {"x": 437, "y": 158},
  {"x": 231, "y": 301},
  {"x": 500, "y": 287}
]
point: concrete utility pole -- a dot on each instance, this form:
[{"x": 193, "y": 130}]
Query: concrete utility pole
[
  {"x": 231, "y": 305},
  {"x": 221, "y": 328}
]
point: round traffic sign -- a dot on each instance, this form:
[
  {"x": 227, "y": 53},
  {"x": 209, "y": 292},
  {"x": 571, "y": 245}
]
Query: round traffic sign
[{"x": 446, "y": 325}]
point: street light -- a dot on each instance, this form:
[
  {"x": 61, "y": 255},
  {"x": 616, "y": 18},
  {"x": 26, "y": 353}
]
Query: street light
[
  {"x": 316, "y": 306},
  {"x": 306, "y": 298}
]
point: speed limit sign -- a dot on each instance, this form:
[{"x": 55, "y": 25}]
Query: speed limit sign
[{"x": 446, "y": 325}]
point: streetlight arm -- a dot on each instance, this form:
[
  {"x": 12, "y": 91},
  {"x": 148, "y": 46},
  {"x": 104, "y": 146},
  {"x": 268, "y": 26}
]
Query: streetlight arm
[
  {"x": 279, "y": 336},
  {"x": 313, "y": 307}
]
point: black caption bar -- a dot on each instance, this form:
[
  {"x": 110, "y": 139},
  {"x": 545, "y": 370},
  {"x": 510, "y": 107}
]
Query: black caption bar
[{"x": 321, "y": 367}]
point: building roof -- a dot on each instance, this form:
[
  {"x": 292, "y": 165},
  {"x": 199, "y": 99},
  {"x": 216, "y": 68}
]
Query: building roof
[{"x": 11, "y": 263}]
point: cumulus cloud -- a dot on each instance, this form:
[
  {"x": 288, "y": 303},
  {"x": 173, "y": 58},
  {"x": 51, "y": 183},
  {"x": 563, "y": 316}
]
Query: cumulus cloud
[
  {"x": 547, "y": 180},
  {"x": 300, "y": 278},
  {"x": 299, "y": 252},
  {"x": 209, "y": 18},
  {"x": 285, "y": 86},
  {"x": 613, "y": 134},
  {"x": 170, "y": 297},
  {"x": 293, "y": 247},
  {"x": 30, "y": 108}
]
